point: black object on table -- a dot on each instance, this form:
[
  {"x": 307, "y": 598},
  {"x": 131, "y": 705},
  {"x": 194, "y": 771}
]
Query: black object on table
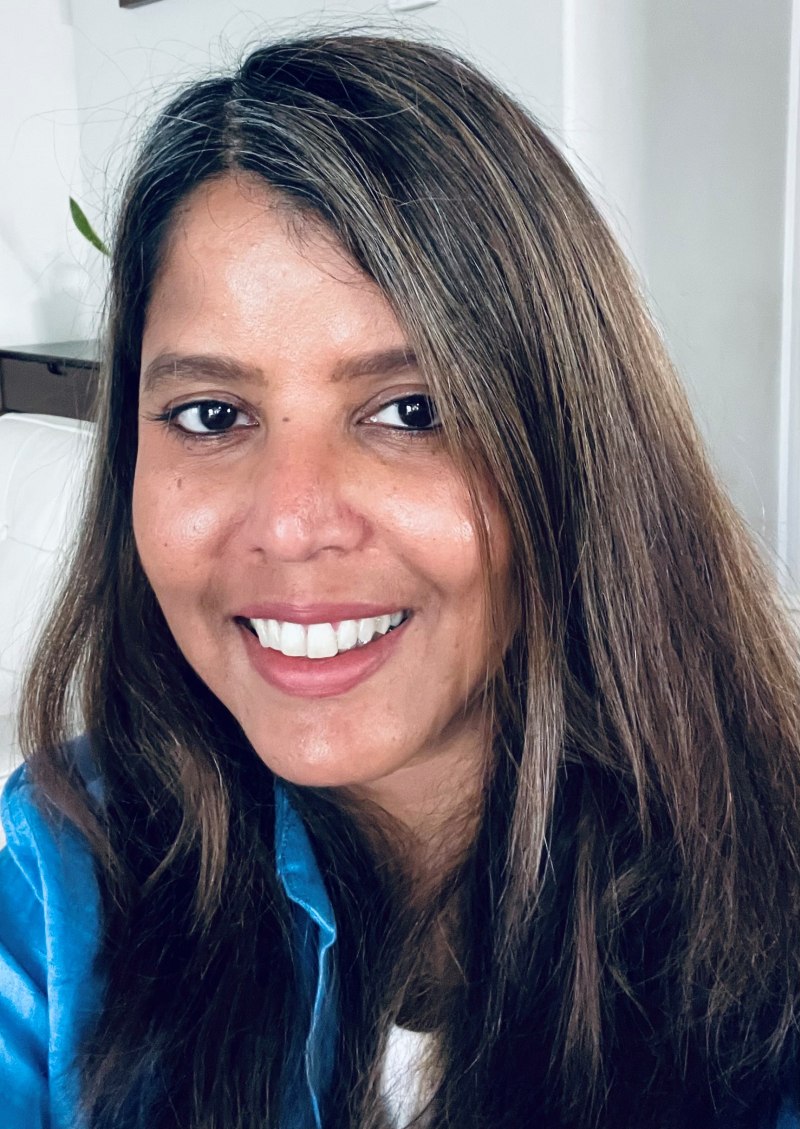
[{"x": 57, "y": 379}]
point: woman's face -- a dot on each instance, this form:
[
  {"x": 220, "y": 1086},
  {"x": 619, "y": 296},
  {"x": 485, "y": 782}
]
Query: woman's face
[{"x": 310, "y": 542}]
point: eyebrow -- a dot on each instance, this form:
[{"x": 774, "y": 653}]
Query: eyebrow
[
  {"x": 385, "y": 362},
  {"x": 188, "y": 366}
]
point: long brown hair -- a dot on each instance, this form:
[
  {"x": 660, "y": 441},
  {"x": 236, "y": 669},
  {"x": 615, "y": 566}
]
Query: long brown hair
[{"x": 629, "y": 925}]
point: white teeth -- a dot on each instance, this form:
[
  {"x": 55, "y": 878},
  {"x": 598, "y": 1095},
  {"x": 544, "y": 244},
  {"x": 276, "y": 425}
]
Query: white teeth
[
  {"x": 347, "y": 634},
  {"x": 293, "y": 640},
  {"x": 261, "y": 628},
  {"x": 366, "y": 629},
  {"x": 322, "y": 640}
]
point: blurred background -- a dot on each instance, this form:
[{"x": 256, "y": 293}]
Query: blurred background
[{"x": 680, "y": 115}]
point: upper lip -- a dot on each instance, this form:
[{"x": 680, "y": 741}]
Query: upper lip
[{"x": 316, "y": 613}]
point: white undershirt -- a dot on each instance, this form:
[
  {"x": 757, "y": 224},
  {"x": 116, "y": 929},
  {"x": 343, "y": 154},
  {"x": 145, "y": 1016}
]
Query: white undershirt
[{"x": 405, "y": 1084}]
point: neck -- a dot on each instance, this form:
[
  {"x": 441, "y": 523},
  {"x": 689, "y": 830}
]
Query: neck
[{"x": 434, "y": 807}]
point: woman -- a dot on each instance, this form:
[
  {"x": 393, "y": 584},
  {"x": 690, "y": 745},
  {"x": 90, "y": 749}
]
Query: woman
[{"x": 439, "y": 705}]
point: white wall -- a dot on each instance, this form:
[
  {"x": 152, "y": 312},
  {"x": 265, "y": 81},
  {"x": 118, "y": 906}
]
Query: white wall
[
  {"x": 42, "y": 284},
  {"x": 604, "y": 124},
  {"x": 789, "y": 435},
  {"x": 677, "y": 115},
  {"x": 714, "y": 173}
]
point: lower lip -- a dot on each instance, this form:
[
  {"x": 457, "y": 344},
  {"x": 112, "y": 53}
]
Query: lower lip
[{"x": 321, "y": 678}]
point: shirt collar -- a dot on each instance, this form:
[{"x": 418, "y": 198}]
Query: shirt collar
[
  {"x": 299, "y": 873},
  {"x": 297, "y": 867}
]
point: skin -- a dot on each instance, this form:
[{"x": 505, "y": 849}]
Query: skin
[{"x": 315, "y": 494}]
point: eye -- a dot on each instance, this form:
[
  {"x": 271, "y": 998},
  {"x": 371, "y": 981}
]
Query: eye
[
  {"x": 408, "y": 413},
  {"x": 207, "y": 417}
]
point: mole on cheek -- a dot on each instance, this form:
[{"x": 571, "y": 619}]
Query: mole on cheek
[{"x": 285, "y": 419}]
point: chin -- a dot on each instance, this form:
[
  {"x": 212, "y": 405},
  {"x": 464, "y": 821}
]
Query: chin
[
  {"x": 316, "y": 767},
  {"x": 320, "y": 776}
]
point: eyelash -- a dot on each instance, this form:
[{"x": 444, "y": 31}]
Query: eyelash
[{"x": 170, "y": 416}]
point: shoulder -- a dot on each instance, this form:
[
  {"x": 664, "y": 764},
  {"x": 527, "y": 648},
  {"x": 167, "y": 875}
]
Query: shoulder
[
  {"x": 48, "y": 851},
  {"x": 49, "y": 937}
]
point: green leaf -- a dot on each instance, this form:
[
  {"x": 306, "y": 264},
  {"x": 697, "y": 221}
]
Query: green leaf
[{"x": 84, "y": 227}]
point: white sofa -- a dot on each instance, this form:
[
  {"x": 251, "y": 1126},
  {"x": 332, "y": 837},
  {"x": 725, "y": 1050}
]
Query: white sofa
[{"x": 43, "y": 462}]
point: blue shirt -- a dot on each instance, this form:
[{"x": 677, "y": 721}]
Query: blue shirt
[{"x": 49, "y": 936}]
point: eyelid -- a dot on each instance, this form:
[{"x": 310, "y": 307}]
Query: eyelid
[
  {"x": 399, "y": 398},
  {"x": 169, "y": 416}
]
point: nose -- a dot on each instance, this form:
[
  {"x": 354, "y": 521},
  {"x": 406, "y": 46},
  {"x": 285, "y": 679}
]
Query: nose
[{"x": 303, "y": 499}]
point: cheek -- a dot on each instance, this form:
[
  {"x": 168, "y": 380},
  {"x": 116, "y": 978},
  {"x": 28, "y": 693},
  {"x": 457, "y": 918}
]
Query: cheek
[
  {"x": 454, "y": 548},
  {"x": 177, "y": 529},
  {"x": 436, "y": 526}
]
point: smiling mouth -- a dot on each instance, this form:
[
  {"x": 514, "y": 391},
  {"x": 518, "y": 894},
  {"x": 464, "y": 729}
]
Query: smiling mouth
[{"x": 321, "y": 640}]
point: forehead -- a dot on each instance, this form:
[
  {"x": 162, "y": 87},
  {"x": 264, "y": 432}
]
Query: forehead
[
  {"x": 236, "y": 213},
  {"x": 232, "y": 199},
  {"x": 243, "y": 270}
]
